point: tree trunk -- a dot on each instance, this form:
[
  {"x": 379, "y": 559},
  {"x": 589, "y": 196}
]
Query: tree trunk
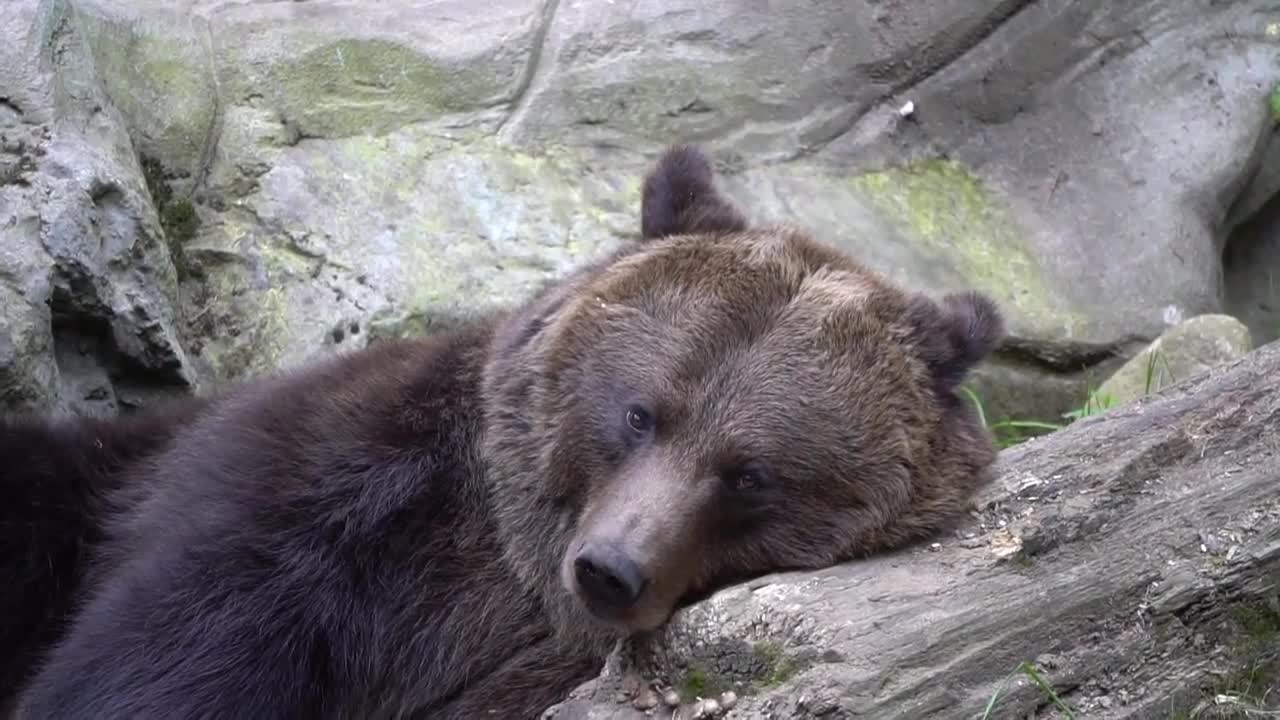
[{"x": 1131, "y": 561}]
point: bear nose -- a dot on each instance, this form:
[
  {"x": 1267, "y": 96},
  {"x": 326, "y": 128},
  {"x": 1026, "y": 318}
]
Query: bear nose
[{"x": 608, "y": 576}]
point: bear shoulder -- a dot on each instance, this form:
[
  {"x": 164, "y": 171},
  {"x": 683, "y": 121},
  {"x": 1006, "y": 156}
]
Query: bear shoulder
[{"x": 301, "y": 522}]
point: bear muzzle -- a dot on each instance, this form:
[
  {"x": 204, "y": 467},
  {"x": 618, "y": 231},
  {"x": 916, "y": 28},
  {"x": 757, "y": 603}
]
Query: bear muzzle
[
  {"x": 631, "y": 559},
  {"x": 608, "y": 580}
]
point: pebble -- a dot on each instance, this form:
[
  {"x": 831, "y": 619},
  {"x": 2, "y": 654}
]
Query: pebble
[
  {"x": 646, "y": 699},
  {"x": 728, "y": 699},
  {"x": 671, "y": 698}
]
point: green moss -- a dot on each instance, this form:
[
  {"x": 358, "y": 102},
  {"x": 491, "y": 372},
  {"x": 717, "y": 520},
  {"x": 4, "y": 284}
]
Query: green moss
[
  {"x": 663, "y": 98},
  {"x": 1274, "y": 102},
  {"x": 694, "y": 683},
  {"x": 157, "y": 186},
  {"x": 1259, "y": 622},
  {"x": 411, "y": 324},
  {"x": 941, "y": 205},
  {"x": 178, "y": 217},
  {"x": 701, "y": 681},
  {"x": 180, "y": 221},
  {"x": 441, "y": 230},
  {"x": 433, "y": 286},
  {"x": 250, "y": 343},
  {"x": 284, "y": 263},
  {"x": 158, "y": 75},
  {"x": 745, "y": 668},
  {"x": 779, "y": 667},
  {"x": 351, "y": 87}
]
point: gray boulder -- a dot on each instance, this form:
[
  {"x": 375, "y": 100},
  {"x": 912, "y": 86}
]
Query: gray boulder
[
  {"x": 1185, "y": 350},
  {"x": 326, "y": 174},
  {"x": 88, "y": 297}
]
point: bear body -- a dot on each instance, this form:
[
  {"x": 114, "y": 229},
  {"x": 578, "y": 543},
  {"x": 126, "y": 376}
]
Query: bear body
[
  {"x": 275, "y": 560},
  {"x": 463, "y": 525}
]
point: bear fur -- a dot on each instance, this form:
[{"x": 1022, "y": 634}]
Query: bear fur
[{"x": 463, "y": 525}]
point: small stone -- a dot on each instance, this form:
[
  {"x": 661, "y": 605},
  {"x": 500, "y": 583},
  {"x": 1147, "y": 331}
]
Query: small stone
[
  {"x": 711, "y": 707},
  {"x": 646, "y": 699},
  {"x": 1211, "y": 543},
  {"x": 728, "y": 699},
  {"x": 688, "y": 712},
  {"x": 935, "y": 547},
  {"x": 671, "y": 698}
]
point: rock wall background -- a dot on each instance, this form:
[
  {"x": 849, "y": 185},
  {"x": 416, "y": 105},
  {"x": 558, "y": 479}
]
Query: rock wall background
[{"x": 195, "y": 191}]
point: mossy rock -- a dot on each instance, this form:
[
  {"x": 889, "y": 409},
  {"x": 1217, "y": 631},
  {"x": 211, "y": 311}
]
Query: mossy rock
[
  {"x": 742, "y": 667},
  {"x": 159, "y": 74},
  {"x": 946, "y": 210},
  {"x": 1187, "y": 349}
]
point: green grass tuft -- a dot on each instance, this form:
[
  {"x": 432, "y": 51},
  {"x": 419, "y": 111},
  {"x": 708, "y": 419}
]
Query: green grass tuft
[
  {"x": 1029, "y": 670},
  {"x": 1011, "y": 431},
  {"x": 779, "y": 667},
  {"x": 694, "y": 683}
]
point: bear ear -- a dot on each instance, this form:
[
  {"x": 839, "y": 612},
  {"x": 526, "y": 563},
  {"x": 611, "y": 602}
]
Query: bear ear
[
  {"x": 680, "y": 198},
  {"x": 955, "y": 334}
]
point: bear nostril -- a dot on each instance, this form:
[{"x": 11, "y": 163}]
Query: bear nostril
[{"x": 608, "y": 577}]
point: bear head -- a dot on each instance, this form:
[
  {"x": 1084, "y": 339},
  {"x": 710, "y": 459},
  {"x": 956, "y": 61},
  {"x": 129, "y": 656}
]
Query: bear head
[{"x": 719, "y": 401}]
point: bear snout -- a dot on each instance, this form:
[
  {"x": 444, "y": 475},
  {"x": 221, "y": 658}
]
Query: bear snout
[{"x": 608, "y": 579}]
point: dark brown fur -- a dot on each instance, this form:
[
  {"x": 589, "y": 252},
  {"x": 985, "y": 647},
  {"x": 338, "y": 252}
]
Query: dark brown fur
[
  {"x": 406, "y": 531},
  {"x": 55, "y": 477}
]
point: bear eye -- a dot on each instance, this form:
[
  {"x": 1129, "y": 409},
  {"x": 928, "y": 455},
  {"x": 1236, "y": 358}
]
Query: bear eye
[
  {"x": 746, "y": 478},
  {"x": 639, "y": 419}
]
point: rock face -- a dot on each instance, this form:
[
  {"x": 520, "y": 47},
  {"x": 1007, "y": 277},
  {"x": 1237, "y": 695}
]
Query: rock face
[
  {"x": 88, "y": 297},
  {"x": 1185, "y": 350},
  {"x": 1130, "y": 559},
  {"x": 224, "y": 188}
]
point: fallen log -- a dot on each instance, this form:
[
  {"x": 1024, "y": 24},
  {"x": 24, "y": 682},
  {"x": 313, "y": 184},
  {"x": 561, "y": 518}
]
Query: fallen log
[{"x": 1127, "y": 566}]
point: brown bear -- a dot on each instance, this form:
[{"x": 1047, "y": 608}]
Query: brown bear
[{"x": 463, "y": 525}]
